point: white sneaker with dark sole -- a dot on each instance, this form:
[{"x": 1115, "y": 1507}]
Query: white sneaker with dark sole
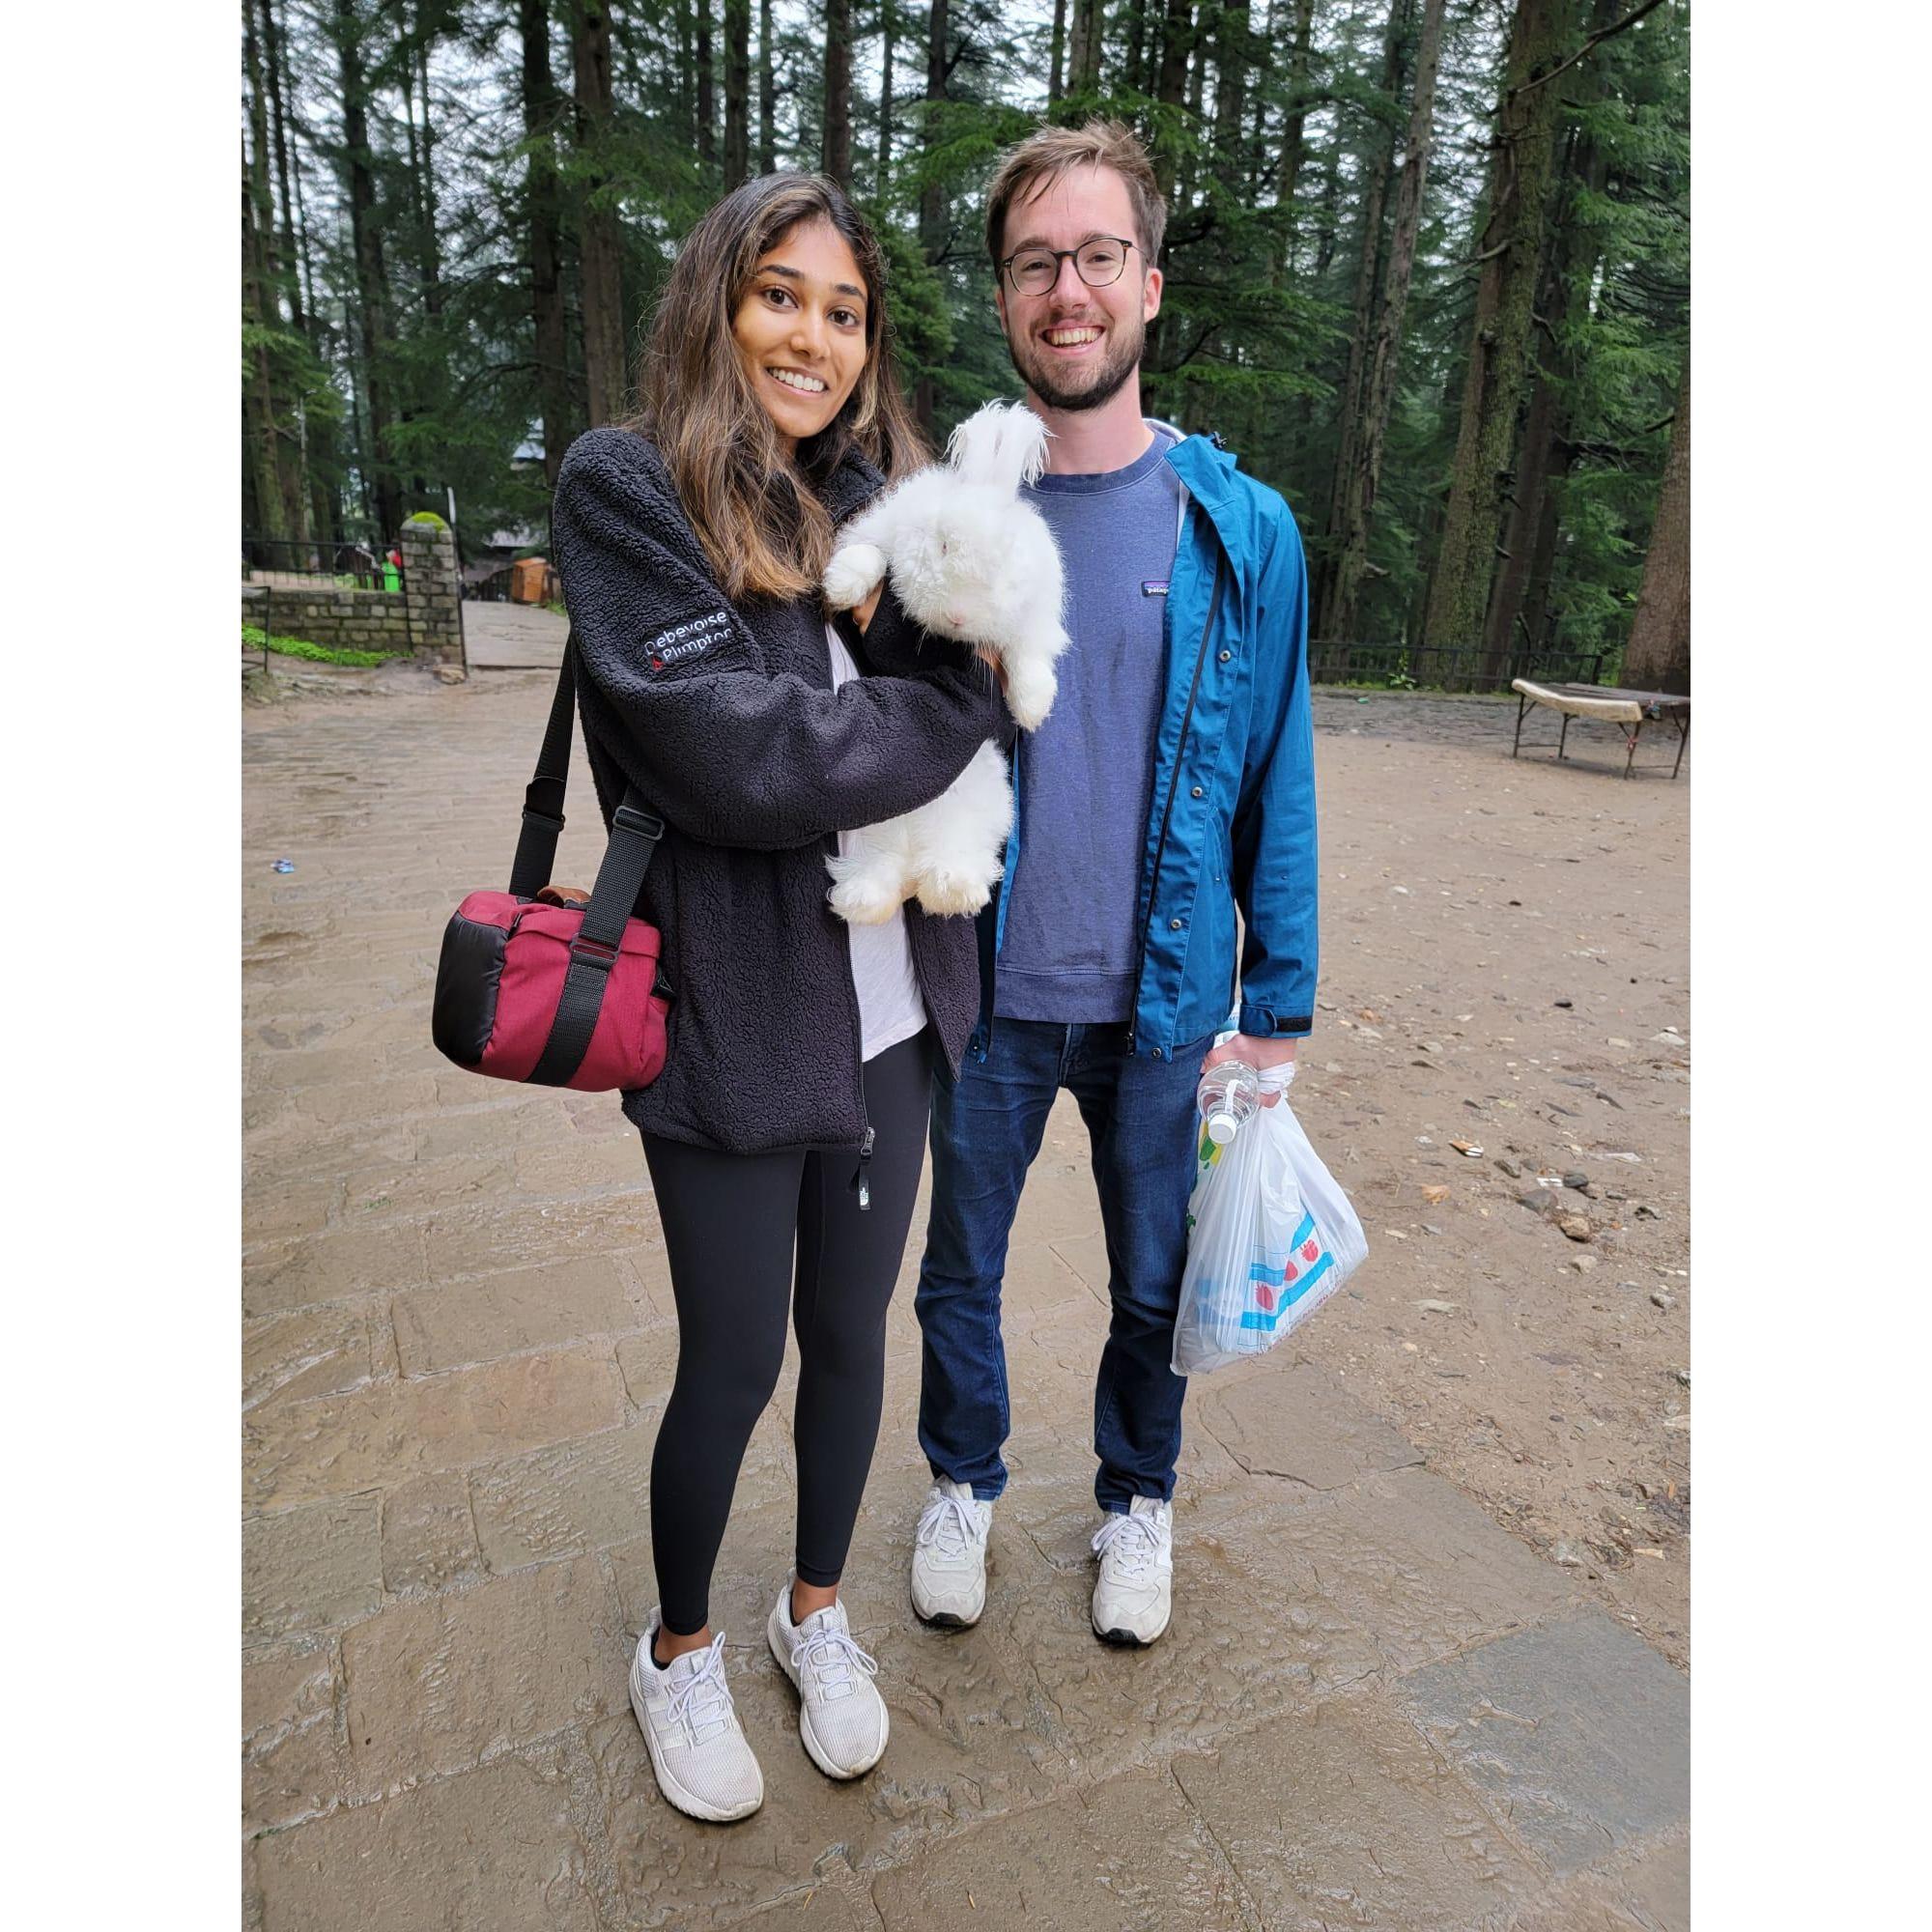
[
  {"x": 1133, "y": 1595},
  {"x": 841, "y": 1718},
  {"x": 948, "y": 1556},
  {"x": 703, "y": 1764}
]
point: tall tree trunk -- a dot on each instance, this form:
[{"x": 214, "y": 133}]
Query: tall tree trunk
[
  {"x": 318, "y": 443},
  {"x": 1255, "y": 161},
  {"x": 601, "y": 268},
  {"x": 737, "y": 91},
  {"x": 543, "y": 110},
  {"x": 286, "y": 475},
  {"x": 836, "y": 143},
  {"x": 1379, "y": 166},
  {"x": 1197, "y": 88},
  {"x": 260, "y": 439},
  {"x": 883, "y": 179},
  {"x": 1510, "y": 249},
  {"x": 1177, "y": 41},
  {"x": 1341, "y": 619},
  {"x": 1055, "y": 80},
  {"x": 1233, "y": 57},
  {"x": 431, "y": 254},
  {"x": 372, "y": 278},
  {"x": 1658, "y": 656},
  {"x": 1519, "y": 596},
  {"x": 687, "y": 67},
  {"x": 768, "y": 147},
  {"x": 1293, "y": 139},
  {"x": 1089, "y": 43},
  {"x": 933, "y": 222},
  {"x": 707, "y": 101}
]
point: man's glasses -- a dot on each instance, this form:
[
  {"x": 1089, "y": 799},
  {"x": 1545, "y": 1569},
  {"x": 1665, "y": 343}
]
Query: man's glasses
[{"x": 1032, "y": 272}]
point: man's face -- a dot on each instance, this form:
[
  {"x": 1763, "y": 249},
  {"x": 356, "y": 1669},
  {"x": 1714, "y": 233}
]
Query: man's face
[{"x": 1076, "y": 346}]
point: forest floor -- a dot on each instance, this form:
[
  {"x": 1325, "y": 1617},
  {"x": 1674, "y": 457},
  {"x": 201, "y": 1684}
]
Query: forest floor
[
  {"x": 1505, "y": 962},
  {"x": 1432, "y": 1555}
]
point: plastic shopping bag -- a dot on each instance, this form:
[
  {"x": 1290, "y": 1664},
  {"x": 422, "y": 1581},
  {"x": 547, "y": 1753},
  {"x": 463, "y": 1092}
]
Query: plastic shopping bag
[{"x": 1270, "y": 1239}]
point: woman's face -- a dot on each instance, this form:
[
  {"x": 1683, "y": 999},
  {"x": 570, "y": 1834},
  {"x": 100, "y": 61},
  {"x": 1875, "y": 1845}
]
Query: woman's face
[{"x": 801, "y": 328}]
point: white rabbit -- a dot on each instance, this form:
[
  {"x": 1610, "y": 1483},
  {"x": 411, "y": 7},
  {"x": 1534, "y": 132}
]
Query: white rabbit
[{"x": 968, "y": 561}]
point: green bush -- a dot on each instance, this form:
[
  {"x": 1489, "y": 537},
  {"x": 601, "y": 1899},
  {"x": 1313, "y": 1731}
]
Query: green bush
[
  {"x": 252, "y": 640},
  {"x": 428, "y": 517}
]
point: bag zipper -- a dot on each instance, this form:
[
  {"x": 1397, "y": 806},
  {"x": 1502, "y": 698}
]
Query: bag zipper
[{"x": 1172, "y": 786}]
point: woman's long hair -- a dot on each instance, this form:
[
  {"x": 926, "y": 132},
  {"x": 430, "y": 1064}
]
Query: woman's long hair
[{"x": 755, "y": 512}]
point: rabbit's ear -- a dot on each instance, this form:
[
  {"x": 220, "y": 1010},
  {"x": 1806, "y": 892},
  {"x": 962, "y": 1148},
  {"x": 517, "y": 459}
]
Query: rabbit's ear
[
  {"x": 974, "y": 449},
  {"x": 1022, "y": 446},
  {"x": 1003, "y": 443}
]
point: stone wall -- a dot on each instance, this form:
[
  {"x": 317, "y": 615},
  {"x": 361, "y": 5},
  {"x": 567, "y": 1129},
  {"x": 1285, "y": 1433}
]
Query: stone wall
[
  {"x": 425, "y": 617},
  {"x": 345, "y": 620}
]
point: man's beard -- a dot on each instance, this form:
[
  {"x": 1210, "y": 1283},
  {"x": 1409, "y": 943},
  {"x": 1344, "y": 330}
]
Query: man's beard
[{"x": 1122, "y": 359}]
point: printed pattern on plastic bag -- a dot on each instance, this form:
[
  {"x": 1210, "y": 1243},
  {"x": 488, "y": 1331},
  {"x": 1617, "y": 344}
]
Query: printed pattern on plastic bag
[{"x": 1270, "y": 1237}]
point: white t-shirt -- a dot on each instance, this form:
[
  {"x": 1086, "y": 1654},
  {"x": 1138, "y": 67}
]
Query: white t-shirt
[{"x": 890, "y": 1007}]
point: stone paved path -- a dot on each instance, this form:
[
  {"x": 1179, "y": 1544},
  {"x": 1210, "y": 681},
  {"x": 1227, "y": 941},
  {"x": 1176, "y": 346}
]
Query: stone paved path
[
  {"x": 1374, "y": 1707},
  {"x": 501, "y": 636}
]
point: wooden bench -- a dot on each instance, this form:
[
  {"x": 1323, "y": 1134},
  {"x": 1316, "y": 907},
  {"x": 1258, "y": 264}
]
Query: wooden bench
[{"x": 1628, "y": 710}]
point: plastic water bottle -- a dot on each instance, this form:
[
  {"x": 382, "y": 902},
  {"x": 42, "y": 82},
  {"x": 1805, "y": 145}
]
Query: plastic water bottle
[{"x": 1229, "y": 1096}]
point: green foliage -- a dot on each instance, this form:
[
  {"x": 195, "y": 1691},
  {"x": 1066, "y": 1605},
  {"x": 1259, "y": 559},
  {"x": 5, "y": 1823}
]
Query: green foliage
[
  {"x": 252, "y": 640},
  {"x": 1257, "y": 312},
  {"x": 428, "y": 517}
]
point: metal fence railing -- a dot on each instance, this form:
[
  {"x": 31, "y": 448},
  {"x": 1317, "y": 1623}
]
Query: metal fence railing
[
  {"x": 1445, "y": 666},
  {"x": 289, "y": 565},
  {"x": 494, "y": 588}
]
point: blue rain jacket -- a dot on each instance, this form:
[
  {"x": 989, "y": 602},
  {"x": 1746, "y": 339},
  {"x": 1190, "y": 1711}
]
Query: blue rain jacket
[{"x": 1232, "y": 825}]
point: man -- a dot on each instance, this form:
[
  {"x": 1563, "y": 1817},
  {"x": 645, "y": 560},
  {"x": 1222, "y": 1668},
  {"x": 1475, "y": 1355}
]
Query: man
[{"x": 1172, "y": 786}]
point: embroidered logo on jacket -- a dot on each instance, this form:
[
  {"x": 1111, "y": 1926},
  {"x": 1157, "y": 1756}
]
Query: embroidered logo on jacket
[{"x": 685, "y": 641}]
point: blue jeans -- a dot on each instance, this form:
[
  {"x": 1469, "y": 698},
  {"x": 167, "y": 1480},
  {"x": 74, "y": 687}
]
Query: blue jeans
[{"x": 987, "y": 1129}]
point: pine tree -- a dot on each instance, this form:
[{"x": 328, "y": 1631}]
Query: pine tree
[
  {"x": 737, "y": 91},
  {"x": 836, "y": 152},
  {"x": 1362, "y": 480},
  {"x": 1509, "y": 251},
  {"x": 1658, "y": 657}
]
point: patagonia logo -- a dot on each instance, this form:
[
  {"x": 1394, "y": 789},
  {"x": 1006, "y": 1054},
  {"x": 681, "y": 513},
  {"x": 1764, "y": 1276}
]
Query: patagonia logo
[
  {"x": 687, "y": 640},
  {"x": 1153, "y": 586}
]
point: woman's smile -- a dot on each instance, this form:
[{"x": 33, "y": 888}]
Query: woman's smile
[{"x": 800, "y": 326}]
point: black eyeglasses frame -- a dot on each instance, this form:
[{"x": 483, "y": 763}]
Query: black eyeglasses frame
[{"x": 1060, "y": 255}]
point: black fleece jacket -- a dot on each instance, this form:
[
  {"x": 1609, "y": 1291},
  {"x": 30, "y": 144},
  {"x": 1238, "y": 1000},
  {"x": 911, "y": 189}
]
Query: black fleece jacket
[{"x": 725, "y": 717}]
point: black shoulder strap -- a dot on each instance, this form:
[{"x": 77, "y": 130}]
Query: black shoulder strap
[
  {"x": 543, "y": 796},
  {"x": 634, "y": 832}
]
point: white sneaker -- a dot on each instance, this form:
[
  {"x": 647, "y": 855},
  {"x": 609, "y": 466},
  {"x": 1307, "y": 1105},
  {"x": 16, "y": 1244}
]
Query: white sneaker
[
  {"x": 697, "y": 1747},
  {"x": 948, "y": 1556},
  {"x": 841, "y": 1718},
  {"x": 1133, "y": 1595}
]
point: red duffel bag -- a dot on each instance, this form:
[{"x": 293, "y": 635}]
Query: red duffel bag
[{"x": 557, "y": 994}]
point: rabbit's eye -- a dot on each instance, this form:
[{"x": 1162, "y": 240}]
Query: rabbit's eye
[{"x": 943, "y": 546}]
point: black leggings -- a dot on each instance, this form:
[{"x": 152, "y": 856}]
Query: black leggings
[{"x": 730, "y": 1222}]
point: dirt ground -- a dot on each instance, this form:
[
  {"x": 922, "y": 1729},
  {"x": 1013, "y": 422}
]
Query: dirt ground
[{"x": 1505, "y": 964}]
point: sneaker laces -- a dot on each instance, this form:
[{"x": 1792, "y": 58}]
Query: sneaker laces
[
  {"x": 1131, "y": 1542},
  {"x": 946, "y": 1526},
  {"x": 831, "y": 1654},
  {"x": 702, "y": 1702}
]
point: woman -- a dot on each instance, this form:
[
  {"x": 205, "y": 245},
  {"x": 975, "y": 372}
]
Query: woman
[{"x": 792, "y": 1109}]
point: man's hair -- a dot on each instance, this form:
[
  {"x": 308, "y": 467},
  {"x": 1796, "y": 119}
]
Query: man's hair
[{"x": 1043, "y": 157}]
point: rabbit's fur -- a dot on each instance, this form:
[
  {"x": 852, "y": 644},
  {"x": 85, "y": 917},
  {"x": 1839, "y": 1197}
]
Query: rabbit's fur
[{"x": 968, "y": 561}]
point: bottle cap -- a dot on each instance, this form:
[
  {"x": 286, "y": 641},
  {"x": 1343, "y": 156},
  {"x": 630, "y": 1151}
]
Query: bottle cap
[{"x": 1222, "y": 1128}]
